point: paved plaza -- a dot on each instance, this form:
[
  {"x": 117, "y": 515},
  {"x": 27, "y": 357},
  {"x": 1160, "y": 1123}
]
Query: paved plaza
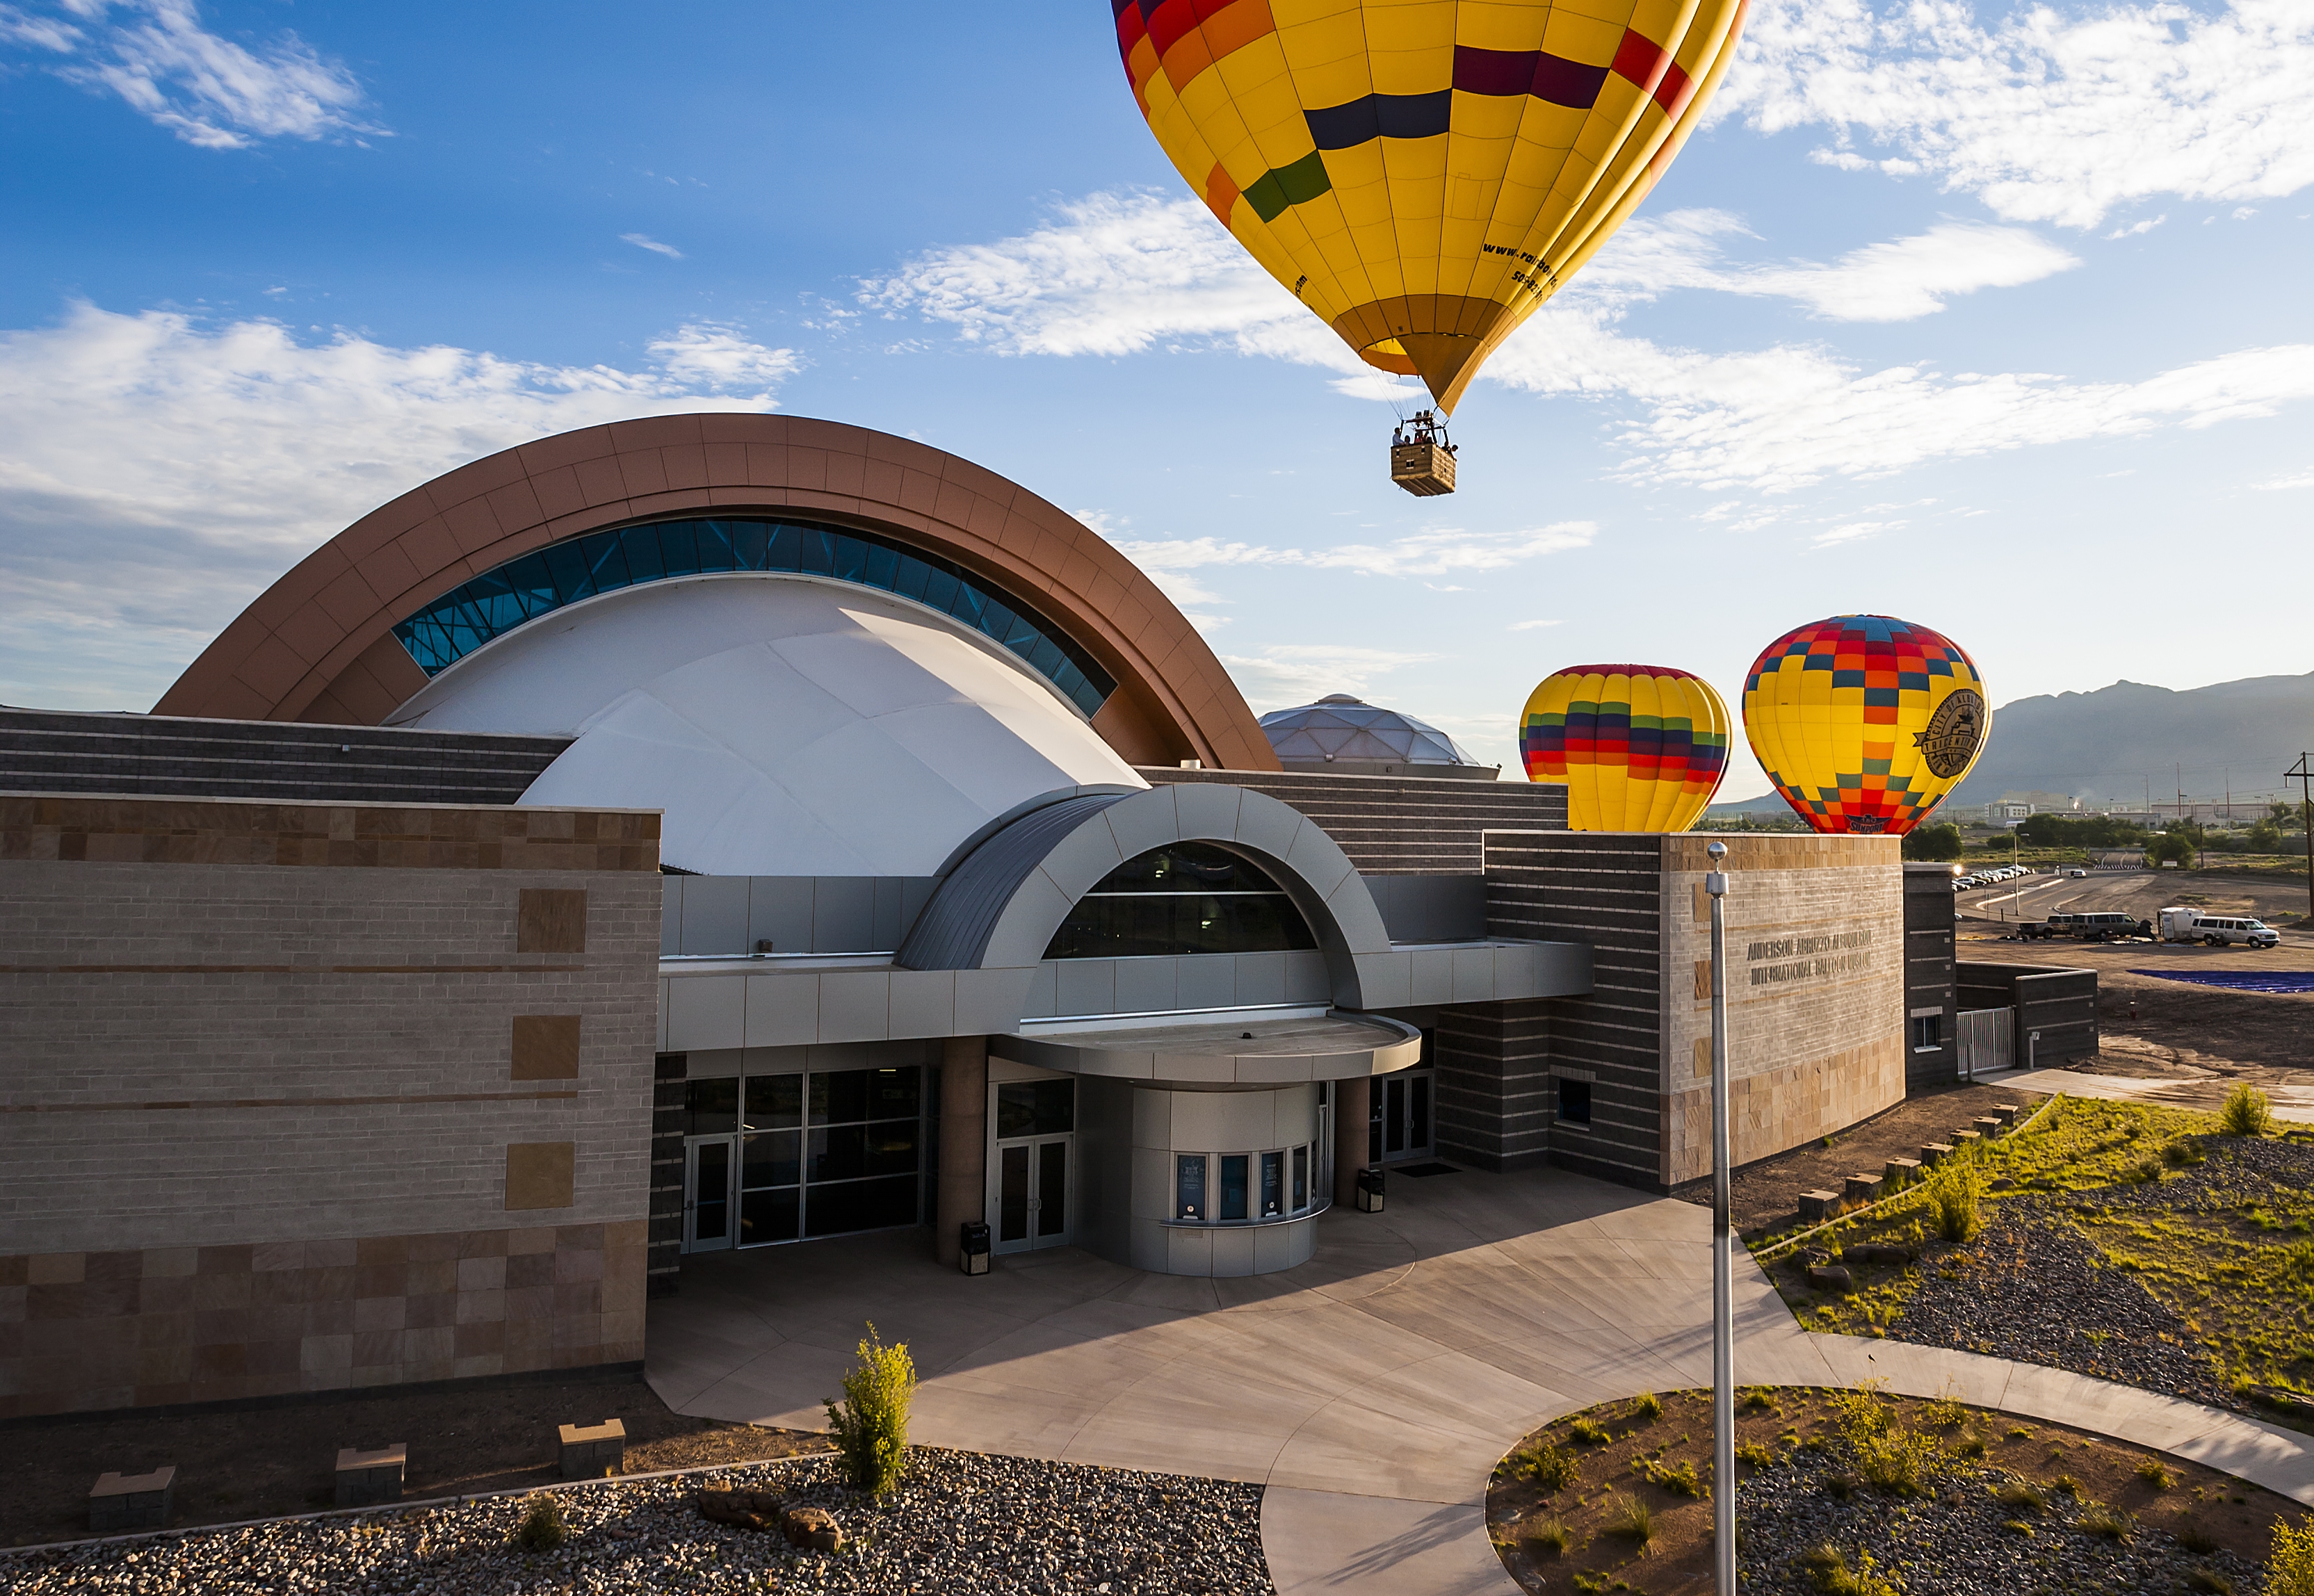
[{"x": 1370, "y": 1390}]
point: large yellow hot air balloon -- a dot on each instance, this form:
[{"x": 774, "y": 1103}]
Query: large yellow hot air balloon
[
  {"x": 1865, "y": 722},
  {"x": 1641, "y": 747},
  {"x": 1423, "y": 173}
]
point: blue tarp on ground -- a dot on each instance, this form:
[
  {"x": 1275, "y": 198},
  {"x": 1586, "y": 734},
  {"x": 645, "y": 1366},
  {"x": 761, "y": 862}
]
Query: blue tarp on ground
[{"x": 2241, "y": 980}]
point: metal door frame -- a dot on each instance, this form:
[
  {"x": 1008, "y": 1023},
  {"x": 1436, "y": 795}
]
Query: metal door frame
[
  {"x": 1379, "y": 1115},
  {"x": 997, "y": 1243},
  {"x": 690, "y": 1146}
]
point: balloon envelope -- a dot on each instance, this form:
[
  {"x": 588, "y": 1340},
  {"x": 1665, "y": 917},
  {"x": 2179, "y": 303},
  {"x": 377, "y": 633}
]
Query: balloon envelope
[
  {"x": 1641, "y": 747},
  {"x": 1865, "y": 722},
  {"x": 1423, "y": 173}
]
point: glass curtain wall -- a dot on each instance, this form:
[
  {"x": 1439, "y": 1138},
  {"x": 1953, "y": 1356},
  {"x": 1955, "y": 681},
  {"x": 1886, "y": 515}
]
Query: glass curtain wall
[{"x": 821, "y": 1153}]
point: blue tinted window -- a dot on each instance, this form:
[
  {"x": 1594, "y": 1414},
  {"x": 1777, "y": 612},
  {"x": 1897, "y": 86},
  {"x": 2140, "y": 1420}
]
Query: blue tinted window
[{"x": 536, "y": 584}]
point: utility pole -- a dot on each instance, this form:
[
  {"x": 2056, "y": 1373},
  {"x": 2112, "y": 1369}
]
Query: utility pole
[
  {"x": 1723, "y": 1289},
  {"x": 2305, "y": 775}
]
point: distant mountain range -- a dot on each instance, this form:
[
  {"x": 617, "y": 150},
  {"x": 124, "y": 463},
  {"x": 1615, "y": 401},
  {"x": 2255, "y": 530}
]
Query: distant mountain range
[{"x": 2111, "y": 747}]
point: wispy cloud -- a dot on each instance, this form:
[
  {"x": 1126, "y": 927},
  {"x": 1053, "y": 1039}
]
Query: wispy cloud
[
  {"x": 161, "y": 471},
  {"x": 1286, "y": 675},
  {"x": 2046, "y": 116},
  {"x": 208, "y": 90},
  {"x": 2304, "y": 479},
  {"x": 1533, "y": 625},
  {"x": 1429, "y": 553},
  {"x": 644, "y": 241},
  {"x": 2135, "y": 228}
]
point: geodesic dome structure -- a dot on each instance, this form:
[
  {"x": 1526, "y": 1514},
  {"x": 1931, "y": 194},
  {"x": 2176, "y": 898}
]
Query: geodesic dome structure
[{"x": 1343, "y": 736}]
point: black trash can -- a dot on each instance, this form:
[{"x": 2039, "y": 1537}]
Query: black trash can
[
  {"x": 1370, "y": 1190},
  {"x": 972, "y": 1246}
]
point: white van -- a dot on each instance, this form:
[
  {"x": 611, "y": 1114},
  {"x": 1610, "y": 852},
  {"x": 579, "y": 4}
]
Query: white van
[{"x": 2216, "y": 930}]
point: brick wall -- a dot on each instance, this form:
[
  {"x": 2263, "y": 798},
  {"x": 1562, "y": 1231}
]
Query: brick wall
[{"x": 260, "y": 1058}]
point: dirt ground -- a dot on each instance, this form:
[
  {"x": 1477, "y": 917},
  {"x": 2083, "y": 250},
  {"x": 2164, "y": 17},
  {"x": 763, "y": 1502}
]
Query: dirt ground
[
  {"x": 262, "y": 1462},
  {"x": 2234, "y": 1516},
  {"x": 1767, "y": 1192}
]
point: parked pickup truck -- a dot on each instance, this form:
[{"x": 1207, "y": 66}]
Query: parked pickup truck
[{"x": 2088, "y": 928}]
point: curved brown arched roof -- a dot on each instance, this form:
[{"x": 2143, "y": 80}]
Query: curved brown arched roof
[{"x": 318, "y": 645}]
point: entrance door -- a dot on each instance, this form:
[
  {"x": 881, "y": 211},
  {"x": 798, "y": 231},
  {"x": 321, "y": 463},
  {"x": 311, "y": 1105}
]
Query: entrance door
[
  {"x": 709, "y": 1167},
  {"x": 1032, "y": 1193},
  {"x": 1400, "y": 1127}
]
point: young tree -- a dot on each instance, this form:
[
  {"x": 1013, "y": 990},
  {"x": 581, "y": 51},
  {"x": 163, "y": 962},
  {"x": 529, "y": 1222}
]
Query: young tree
[{"x": 1933, "y": 842}]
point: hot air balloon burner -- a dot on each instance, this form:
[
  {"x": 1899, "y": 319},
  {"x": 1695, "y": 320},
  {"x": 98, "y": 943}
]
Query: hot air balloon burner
[{"x": 1421, "y": 460}]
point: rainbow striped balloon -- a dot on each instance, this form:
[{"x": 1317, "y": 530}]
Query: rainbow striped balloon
[{"x": 1641, "y": 747}]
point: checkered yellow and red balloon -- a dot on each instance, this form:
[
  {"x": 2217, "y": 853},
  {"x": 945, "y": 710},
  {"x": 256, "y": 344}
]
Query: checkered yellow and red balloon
[{"x": 1865, "y": 722}]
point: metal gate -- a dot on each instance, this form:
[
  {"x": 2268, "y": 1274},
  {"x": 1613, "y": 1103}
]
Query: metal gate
[{"x": 1988, "y": 1041}]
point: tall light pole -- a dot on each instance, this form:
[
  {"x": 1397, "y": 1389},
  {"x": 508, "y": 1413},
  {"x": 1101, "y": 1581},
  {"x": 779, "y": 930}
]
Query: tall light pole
[{"x": 1723, "y": 1284}]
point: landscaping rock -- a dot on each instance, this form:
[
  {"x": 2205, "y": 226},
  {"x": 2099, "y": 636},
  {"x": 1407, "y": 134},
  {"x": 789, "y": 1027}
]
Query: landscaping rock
[
  {"x": 743, "y": 1509},
  {"x": 1831, "y": 1278},
  {"x": 814, "y": 1527},
  {"x": 1873, "y": 1255}
]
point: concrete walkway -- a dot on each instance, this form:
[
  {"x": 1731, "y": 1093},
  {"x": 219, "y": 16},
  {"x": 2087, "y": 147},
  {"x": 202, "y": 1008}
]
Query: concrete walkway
[
  {"x": 1371, "y": 1390},
  {"x": 2289, "y": 1102}
]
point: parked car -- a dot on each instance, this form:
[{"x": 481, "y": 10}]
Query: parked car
[
  {"x": 2086, "y": 928},
  {"x": 2216, "y": 930},
  {"x": 2075, "y": 872}
]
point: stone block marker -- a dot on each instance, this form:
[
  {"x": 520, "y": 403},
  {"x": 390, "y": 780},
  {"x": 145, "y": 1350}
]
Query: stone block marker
[
  {"x": 1962, "y": 1139},
  {"x": 370, "y": 1478},
  {"x": 1862, "y": 1188},
  {"x": 1815, "y": 1207},
  {"x": 1933, "y": 1153},
  {"x": 590, "y": 1452},
  {"x": 2005, "y": 1113},
  {"x": 122, "y": 1502},
  {"x": 1989, "y": 1124},
  {"x": 1901, "y": 1171}
]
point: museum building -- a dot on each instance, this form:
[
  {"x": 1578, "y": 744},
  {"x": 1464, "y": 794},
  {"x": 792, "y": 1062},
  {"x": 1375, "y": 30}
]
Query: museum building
[{"x": 723, "y": 831}]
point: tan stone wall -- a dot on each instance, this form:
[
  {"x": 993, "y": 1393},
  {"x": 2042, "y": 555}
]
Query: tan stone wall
[
  {"x": 358, "y": 1059},
  {"x": 1816, "y": 947}
]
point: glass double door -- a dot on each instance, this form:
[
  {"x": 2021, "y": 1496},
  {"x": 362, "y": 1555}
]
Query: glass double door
[
  {"x": 1400, "y": 1125},
  {"x": 710, "y": 1166},
  {"x": 1032, "y": 1193}
]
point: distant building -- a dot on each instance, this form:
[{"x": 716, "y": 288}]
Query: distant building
[{"x": 2041, "y": 803}]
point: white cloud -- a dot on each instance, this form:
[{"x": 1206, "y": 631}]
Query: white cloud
[
  {"x": 2134, "y": 228},
  {"x": 208, "y": 90},
  {"x": 160, "y": 472},
  {"x": 1533, "y": 625},
  {"x": 644, "y": 241},
  {"x": 1284, "y": 676},
  {"x": 713, "y": 356},
  {"x": 2304, "y": 479},
  {"x": 1428, "y": 554},
  {"x": 1856, "y": 532},
  {"x": 1896, "y": 280},
  {"x": 2046, "y": 116},
  {"x": 1782, "y": 417}
]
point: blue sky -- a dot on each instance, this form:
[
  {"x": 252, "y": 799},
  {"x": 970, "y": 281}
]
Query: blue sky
[{"x": 1994, "y": 320}]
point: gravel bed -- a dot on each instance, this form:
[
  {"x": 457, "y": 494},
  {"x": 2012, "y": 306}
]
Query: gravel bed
[
  {"x": 1954, "y": 1542},
  {"x": 959, "y": 1522},
  {"x": 2029, "y": 1288}
]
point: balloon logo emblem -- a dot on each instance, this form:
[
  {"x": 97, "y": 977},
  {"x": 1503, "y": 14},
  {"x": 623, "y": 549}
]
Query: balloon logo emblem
[{"x": 1952, "y": 733}]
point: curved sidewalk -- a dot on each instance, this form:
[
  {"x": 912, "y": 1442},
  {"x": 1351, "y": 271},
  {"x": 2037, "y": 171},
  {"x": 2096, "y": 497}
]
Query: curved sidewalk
[{"x": 1370, "y": 1391}]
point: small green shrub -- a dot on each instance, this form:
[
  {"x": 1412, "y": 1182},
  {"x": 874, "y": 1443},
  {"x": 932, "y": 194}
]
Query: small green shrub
[
  {"x": 1834, "y": 1575},
  {"x": 1756, "y": 1399},
  {"x": 1631, "y": 1519},
  {"x": 871, "y": 1427},
  {"x": 1956, "y": 1196},
  {"x": 2289, "y": 1565},
  {"x": 2209, "y": 1580},
  {"x": 1551, "y": 1535},
  {"x": 1972, "y": 1445},
  {"x": 1753, "y": 1453},
  {"x": 2183, "y": 1153},
  {"x": 2065, "y": 1485},
  {"x": 1899, "y": 1462},
  {"x": 1860, "y": 1412},
  {"x": 1553, "y": 1467},
  {"x": 1646, "y": 1405},
  {"x": 2297, "y": 1260},
  {"x": 1585, "y": 1432},
  {"x": 1946, "y": 1412},
  {"x": 2154, "y": 1472},
  {"x": 2144, "y": 1172},
  {"x": 543, "y": 1528},
  {"x": 1841, "y": 1487},
  {"x": 2104, "y": 1523},
  {"x": 1680, "y": 1481},
  {"x": 2247, "y": 1112},
  {"x": 2022, "y": 1493}
]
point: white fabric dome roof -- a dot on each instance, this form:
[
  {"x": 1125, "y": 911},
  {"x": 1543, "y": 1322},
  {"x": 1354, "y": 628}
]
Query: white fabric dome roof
[{"x": 787, "y": 727}]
